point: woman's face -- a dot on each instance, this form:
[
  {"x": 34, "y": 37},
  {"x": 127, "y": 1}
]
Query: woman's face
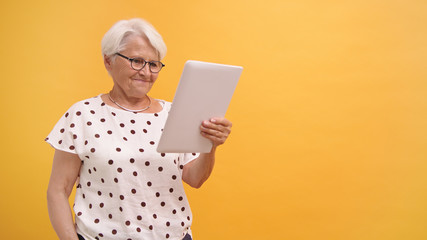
[{"x": 134, "y": 84}]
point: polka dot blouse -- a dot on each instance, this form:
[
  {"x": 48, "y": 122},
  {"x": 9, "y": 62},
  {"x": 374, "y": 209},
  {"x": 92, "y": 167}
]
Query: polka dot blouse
[{"x": 126, "y": 189}]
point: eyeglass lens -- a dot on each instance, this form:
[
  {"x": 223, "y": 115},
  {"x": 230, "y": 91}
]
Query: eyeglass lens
[{"x": 139, "y": 63}]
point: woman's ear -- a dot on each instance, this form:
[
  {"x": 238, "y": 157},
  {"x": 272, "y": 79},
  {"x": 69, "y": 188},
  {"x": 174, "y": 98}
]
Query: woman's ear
[{"x": 107, "y": 63}]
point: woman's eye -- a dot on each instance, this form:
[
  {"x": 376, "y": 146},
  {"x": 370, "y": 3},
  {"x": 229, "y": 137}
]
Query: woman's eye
[{"x": 138, "y": 61}]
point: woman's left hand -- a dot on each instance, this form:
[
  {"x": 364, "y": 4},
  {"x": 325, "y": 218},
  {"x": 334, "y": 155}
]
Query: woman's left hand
[{"x": 217, "y": 130}]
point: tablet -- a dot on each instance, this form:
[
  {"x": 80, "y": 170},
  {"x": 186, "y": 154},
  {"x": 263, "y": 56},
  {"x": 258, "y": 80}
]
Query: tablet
[{"x": 204, "y": 91}]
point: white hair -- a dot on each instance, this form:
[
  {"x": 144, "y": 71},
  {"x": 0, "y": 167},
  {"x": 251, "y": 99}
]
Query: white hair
[{"x": 115, "y": 39}]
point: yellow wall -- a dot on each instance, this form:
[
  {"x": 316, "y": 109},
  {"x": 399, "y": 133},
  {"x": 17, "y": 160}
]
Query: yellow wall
[{"x": 329, "y": 138}]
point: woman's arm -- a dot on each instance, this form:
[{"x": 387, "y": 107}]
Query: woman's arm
[
  {"x": 196, "y": 172},
  {"x": 65, "y": 170}
]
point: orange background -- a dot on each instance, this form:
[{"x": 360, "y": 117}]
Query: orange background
[{"x": 330, "y": 114}]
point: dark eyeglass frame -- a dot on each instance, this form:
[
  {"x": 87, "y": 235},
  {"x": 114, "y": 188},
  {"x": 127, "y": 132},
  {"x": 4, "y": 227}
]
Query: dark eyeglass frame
[{"x": 131, "y": 60}]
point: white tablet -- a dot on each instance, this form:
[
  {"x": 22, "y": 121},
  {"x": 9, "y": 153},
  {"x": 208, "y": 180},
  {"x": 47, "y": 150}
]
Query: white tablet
[{"x": 204, "y": 91}]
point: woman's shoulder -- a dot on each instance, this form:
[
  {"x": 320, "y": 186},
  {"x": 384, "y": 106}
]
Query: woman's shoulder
[
  {"x": 89, "y": 104},
  {"x": 165, "y": 104}
]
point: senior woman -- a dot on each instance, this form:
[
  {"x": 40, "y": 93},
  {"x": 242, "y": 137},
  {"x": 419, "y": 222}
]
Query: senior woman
[{"x": 106, "y": 145}]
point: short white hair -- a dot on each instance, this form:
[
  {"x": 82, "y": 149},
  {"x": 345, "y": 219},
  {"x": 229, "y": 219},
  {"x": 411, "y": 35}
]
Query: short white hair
[{"x": 114, "y": 40}]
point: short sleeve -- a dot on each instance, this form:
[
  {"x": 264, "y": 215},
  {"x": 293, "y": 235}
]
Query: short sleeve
[
  {"x": 188, "y": 157},
  {"x": 65, "y": 133}
]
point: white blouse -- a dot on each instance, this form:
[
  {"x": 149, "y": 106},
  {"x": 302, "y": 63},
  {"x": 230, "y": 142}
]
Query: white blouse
[{"x": 126, "y": 189}]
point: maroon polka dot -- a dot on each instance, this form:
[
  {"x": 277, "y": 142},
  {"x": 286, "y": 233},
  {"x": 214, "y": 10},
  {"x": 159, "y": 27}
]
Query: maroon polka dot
[
  {"x": 139, "y": 217},
  {"x": 188, "y": 218},
  {"x": 110, "y": 162},
  {"x": 119, "y": 170},
  {"x": 156, "y": 115},
  {"x": 66, "y": 114},
  {"x": 74, "y": 136},
  {"x": 183, "y": 209},
  {"x": 122, "y": 197},
  {"x": 171, "y": 190},
  {"x": 78, "y": 113},
  {"x": 132, "y": 131},
  {"x": 180, "y": 198},
  {"x": 118, "y": 149},
  {"x": 90, "y": 205},
  {"x": 168, "y": 224},
  {"x": 79, "y": 213},
  {"x": 133, "y": 191},
  {"x": 92, "y": 150},
  {"x": 151, "y": 227},
  {"x": 157, "y": 194},
  {"x": 102, "y": 119},
  {"x": 127, "y": 223},
  {"x": 138, "y": 229},
  {"x": 60, "y": 142},
  {"x": 110, "y": 216},
  {"x": 89, "y": 123},
  {"x": 131, "y": 160},
  {"x": 152, "y": 142},
  {"x": 86, "y": 142},
  {"x": 96, "y": 220},
  {"x": 110, "y": 132},
  {"x": 124, "y": 138},
  {"x": 154, "y": 216},
  {"x": 147, "y": 163},
  {"x": 114, "y": 231},
  {"x": 141, "y": 150},
  {"x": 102, "y": 180},
  {"x": 149, "y": 184},
  {"x": 174, "y": 211},
  {"x": 143, "y": 204},
  {"x": 102, "y": 104},
  {"x": 91, "y": 111},
  {"x": 116, "y": 180},
  {"x": 132, "y": 121},
  {"x": 162, "y": 204},
  {"x": 100, "y": 234},
  {"x": 135, "y": 173},
  {"x": 174, "y": 177},
  {"x": 97, "y": 135},
  {"x": 99, "y": 193},
  {"x": 182, "y": 224},
  {"x": 145, "y": 130},
  {"x": 88, "y": 184},
  {"x": 101, "y": 205},
  {"x": 112, "y": 113},
  {"x": 160, "y": 169},
  {"x": 72, "y": 125},
  {"x": 121, "y": 209},
  {"x": 111, "y": 195},
  {"x": 148, "y": 123},
  {"x": 87, "y": 103},
  {"x": 167, "y": 235},
  {"x": 62, "y": 130},
  {"x": 162, "y": 154}
]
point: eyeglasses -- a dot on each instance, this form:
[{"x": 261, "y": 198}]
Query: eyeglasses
[{"x": 139, "y": 63}]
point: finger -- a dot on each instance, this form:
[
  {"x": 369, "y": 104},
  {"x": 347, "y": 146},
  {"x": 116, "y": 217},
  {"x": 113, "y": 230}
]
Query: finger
[
  {"x": 221, "y": 121},
  {"x": 215, "y": 131},
  {"x": 214, "y": 139},
  {"x": 215, "y": 126}
]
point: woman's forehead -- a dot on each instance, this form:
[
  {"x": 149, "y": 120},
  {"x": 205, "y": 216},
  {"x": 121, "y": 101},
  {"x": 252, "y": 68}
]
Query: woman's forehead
[{"x": 139, "y": 46}]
